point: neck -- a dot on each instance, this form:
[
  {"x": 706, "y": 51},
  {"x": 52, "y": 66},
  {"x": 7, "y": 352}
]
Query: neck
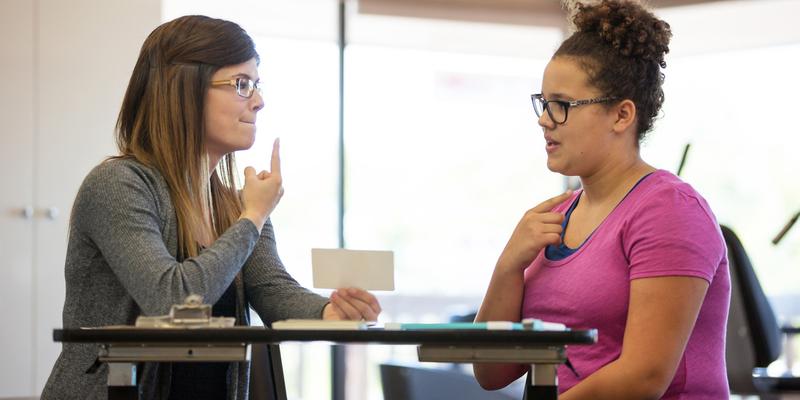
[
  {"x": 613, "y": 180},
  {"x": 213, "y": 161}
]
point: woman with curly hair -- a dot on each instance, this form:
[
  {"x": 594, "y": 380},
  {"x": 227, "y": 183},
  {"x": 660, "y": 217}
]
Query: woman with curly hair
[{"x": 636, "y": 252}]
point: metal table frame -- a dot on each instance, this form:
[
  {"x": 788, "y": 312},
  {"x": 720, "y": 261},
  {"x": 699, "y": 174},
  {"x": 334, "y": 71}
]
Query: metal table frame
[{"x": 123, "y": 347}]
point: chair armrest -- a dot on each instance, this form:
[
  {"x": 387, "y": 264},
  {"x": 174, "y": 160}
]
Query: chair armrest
[{"x": 790, "y": 330}]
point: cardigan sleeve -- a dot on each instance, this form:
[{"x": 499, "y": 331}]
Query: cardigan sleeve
[
  {"x": 120, "y": 208},
  {"x": 271, "y": 291}
]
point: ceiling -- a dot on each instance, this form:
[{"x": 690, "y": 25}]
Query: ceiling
[{"x": 546, "y": 13}]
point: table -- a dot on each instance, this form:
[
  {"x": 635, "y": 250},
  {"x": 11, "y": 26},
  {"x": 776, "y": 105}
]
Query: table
[{"x": 123, "y": 347}]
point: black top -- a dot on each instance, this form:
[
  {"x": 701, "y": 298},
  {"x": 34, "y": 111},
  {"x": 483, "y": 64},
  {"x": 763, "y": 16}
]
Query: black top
[{"x": 205, "y": 380}]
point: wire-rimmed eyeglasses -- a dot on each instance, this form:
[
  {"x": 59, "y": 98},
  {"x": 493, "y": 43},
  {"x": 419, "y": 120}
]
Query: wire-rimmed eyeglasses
[
  {"x": 558, "y": 110},
  {"x": 245, "y": 87}
]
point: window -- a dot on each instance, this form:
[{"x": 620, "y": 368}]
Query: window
[
  {"x": 730, "y": 93},
  {"x": 300, "y": 85},
  {"x": 444, "y": 156},
  {"x": 742, "y": 157}
]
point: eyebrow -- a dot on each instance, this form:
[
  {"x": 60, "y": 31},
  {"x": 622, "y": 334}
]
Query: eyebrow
[
  {"x": 242, "y": 74},
  {"x": 560, "y": 96}
]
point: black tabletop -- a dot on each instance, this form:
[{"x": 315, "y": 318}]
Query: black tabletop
[{"x": 374, "y": 336}]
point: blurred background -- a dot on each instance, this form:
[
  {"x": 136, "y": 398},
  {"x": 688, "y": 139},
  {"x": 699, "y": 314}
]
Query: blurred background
[{"x": 427, "y": 146}]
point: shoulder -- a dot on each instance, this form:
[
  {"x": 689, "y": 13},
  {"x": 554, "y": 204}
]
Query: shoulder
[
  {"x": 664, "y": 194},
  {"x": 668, "y": 218},
  {"x": 123, "y": 175},
  {"x": 121, "y": 170},
  {"x": 120, "y": 183}
]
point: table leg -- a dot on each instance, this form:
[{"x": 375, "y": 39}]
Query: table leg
[
  {"x": 122, "y": 381},
  {"x": 542, "y": 382}
]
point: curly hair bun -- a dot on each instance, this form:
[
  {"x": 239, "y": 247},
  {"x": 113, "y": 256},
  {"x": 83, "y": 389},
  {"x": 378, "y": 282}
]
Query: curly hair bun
[{"x": 627, "y": 26}]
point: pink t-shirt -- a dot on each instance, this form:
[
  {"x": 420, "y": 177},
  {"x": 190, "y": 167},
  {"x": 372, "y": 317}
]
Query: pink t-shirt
[{"x": 662, "y": 228}]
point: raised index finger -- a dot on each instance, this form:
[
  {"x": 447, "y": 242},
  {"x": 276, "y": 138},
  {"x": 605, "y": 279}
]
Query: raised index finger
[
  {"x": 548, "y": 204},
  {"x": 275, "y": 162}
]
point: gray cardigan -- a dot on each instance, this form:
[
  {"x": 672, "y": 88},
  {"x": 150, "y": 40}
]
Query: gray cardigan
[{"x": 121, "y": 263}]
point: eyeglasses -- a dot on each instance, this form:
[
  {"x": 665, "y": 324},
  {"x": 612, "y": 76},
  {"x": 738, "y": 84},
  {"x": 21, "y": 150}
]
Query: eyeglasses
[
  {"x": 558, "y": 110},
  {"x": 245, "y": 87}
]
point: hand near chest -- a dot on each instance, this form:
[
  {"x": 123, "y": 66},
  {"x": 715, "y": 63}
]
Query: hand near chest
[{"x": 538, "y": 228}]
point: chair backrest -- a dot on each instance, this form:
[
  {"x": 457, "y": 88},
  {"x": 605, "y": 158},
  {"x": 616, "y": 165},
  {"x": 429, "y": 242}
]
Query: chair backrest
[
  {"x": 419, "y": 383},
  {"x": 753, "y": 336},
  {"x": 266, "y": 373}
]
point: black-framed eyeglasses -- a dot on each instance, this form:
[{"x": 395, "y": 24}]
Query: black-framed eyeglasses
[
  {"x": 558, "y": 110},
  {"x": 245, "y": 87}
]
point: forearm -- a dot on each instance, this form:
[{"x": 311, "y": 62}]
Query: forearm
[
  {"x": 618, "y": 380},
  {"x": 271, "y": 290},
  {"x": 287, "y": 303},
  {"x": 274, "y": 294},
  {"x": 156, "y": 280},
  {"x": 503, "y": 302},
  {"x": 503, "y": 299}
]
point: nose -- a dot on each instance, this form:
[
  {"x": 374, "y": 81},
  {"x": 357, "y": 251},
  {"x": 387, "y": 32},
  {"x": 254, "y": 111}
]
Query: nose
[
  {"x": 257, "y": 101},
  {"x": 545, "y": 122}
]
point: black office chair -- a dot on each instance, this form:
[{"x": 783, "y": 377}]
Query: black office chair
[
  {"x": 266, "y": 373},
  {"x": 404, "y": 382},
  {"x": 754, "y": 339}
]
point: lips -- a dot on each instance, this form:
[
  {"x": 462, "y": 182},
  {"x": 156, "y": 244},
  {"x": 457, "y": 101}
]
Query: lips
[{"x": 551, "y": 145}]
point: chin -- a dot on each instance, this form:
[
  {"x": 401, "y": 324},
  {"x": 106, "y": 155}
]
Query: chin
[
  {"x": 241, "y": 146},
  {"x": 562, "y": 169},
  {"x": 248, "y": 139},
  {"x": 554, "y": 167}
]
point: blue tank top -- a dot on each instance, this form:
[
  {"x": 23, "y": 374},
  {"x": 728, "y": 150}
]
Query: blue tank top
[{"x": 560, "y": 252}]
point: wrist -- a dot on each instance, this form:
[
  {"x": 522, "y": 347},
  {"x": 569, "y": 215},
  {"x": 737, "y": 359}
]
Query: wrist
[
  {"x": 256, "y": 219},
  {"x": 506, "y": 266},
  {"x": 505, "y": 273}
]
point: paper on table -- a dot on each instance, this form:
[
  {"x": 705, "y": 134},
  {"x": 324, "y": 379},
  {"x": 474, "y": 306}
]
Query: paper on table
[
  {"x": 364, "y": 269},
  {"x": 318, "y": 324}
]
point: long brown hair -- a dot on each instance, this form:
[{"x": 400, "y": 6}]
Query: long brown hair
[{"x": 161, "y": 121}]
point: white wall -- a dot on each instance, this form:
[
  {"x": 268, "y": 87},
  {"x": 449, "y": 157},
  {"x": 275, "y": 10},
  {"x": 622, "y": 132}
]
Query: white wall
[
  {"x": 65, "y": 68},
  {"x": 16, "y": 231}
]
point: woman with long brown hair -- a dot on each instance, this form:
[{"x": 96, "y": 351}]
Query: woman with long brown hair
[{"x": 164, "y": 219}]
